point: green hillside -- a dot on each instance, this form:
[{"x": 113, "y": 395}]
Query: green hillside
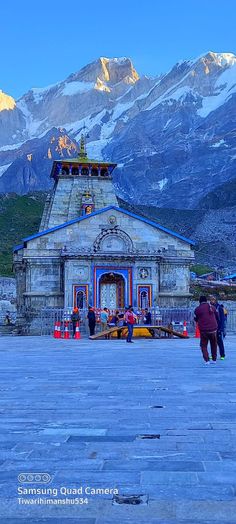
[{"x": 19, "y": 217}]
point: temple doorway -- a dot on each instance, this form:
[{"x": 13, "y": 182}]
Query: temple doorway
[
  {"x": 80, "y": 299},
  {"x": 112, "y": 291}
]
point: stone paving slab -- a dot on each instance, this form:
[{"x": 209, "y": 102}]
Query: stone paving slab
[
  {"x": 68, "y": 520},
  {"x": 79, "y": 410}
]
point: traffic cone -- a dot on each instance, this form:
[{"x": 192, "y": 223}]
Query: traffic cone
[
  {"x": 66, "y": 331},
  {"x": 59, "y": 330},
  {"x": 55, "y": 333},
  {"x": 197, "y": 331},
  {"x": 185, "y": 332},
  {"x": 77, "y": 331}
]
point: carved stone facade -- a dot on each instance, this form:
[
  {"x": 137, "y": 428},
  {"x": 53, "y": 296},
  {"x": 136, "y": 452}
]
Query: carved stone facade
[{"x": 105, "y": 255}]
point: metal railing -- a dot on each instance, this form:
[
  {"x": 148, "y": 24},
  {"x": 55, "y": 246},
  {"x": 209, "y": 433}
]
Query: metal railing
[{"x": 160, "y": 316}]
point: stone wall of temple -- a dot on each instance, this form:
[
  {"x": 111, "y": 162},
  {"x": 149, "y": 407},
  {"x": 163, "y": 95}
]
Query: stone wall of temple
[
  {"x": 7, "y": 288},
  {"x": 53, "y": 263}
]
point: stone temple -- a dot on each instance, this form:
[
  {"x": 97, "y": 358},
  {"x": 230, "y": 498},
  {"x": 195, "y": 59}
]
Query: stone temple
[{"x": 90, "y": 251}]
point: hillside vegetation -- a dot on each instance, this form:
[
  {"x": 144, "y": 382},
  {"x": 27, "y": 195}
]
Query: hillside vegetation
[{"x": 19, "y": 217}]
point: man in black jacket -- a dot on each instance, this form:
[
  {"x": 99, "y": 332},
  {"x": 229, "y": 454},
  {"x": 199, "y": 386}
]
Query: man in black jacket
[
  {"x": 91, "y": 320},
  {"x": 221, "y": 325},
  {"x": 75, "y": 317}
]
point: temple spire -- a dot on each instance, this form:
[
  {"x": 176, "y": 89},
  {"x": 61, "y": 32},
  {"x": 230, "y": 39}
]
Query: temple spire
[{"x": 82, "y": 148}]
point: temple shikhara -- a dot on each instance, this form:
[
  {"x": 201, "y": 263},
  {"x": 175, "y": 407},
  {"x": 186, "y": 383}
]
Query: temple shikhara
[{"x": 90, "y": 251}]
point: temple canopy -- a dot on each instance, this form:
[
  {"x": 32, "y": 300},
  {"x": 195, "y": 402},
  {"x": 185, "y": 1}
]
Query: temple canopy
[{"x": 81, "y": 165}]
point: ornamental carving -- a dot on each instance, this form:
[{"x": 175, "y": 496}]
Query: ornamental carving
[
  {"x": 143, "y": 273},
  {"x": 113, "y": 241},
  {"x": 112, "y": 220}
]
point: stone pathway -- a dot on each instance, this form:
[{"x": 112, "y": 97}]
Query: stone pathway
[{"x": 149, "y": 422}]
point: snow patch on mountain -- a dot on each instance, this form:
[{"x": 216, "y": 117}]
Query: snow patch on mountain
[
  {"x": 95, "y": 148},
  {"x": 22, "y": 105},
  {"x": 11, "y": 147},
  {"x": 120, "y": 109},
  {"x": 160, "y": 184},
  {"x": 172, "y": 94},
  {"x": 39, "y": 92},
  {"x": 4, "y": 168},
  {"x": 225, "y": 87},
  {"x": 225, "y": 58},
  {"x": 220, "y": 143},
  {"x": 75, "y": 88}
]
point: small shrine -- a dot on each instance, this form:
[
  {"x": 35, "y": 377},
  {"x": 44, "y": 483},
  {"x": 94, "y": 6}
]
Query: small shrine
[{"x": 88, "y": 205}]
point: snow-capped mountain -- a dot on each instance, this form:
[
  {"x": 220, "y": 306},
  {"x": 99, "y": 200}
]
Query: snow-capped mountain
[{"x": 173, "y": 136}]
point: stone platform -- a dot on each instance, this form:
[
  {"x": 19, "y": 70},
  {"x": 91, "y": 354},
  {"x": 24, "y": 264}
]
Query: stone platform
[{"x": 147, "y": 419}]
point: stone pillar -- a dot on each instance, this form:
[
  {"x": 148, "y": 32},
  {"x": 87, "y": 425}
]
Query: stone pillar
[{"x": 19, "y": 269}]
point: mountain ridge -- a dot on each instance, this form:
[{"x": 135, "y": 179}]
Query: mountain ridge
[{"x": 172, "y": 136}]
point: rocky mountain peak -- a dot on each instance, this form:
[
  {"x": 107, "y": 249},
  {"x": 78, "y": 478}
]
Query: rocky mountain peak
[
  {"x": 6, "y": 102},
  {"x": 109, "y": 70},
  {"x": 223, "y": 59},
  {"x": 213, "y": 62}
]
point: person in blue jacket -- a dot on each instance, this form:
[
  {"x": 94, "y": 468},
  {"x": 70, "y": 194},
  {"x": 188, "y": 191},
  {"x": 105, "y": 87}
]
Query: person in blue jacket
[{"x": 221, "y": 325}]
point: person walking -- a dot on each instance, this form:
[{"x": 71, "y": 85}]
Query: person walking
[
  {"x": 130, "y": 319},
  {"x": 91, "y": 320},
  {"x": 206, "y": 317},
  {"x": 75, "y": 317},
  {"x": 221, "y": 325}
]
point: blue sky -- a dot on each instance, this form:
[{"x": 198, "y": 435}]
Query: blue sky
[{"x": 42, "y": 41}]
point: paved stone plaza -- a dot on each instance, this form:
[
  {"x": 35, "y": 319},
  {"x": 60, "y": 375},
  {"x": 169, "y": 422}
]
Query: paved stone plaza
[{"x": 80, "y": 411}]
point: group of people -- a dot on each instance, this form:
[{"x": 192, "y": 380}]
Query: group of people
[
  {"x": 127, "y": 318},
  {"x": 211, "y": 318}
]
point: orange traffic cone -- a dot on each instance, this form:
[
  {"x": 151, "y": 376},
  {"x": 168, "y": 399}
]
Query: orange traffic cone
[
  {"x": 77, "y": 331},
  {"x": 59, "y": 330},
  {"x": 55, "y": 333},
  {"x": 197, "y": 331},
  {"x": 185, "y": 332},
  {"x": 66, "y": 331}
]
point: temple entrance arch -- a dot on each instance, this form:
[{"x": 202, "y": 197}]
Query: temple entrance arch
[
  {"x": 144, "y": 299},
  {"x": 80, "y": 296},
  {"x": 110, "y": 282},
  {"x": 112, "y": 291},
  {"x": 80, "y": 299}
]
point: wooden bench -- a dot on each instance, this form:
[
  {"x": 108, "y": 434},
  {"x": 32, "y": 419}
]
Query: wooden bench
[{"x": 153, "y": 330}]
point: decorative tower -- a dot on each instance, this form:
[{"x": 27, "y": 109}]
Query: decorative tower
[{"x": 81, "y": 186}]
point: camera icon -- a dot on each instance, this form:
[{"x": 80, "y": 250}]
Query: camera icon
[{"x": 39, "y": 478}]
